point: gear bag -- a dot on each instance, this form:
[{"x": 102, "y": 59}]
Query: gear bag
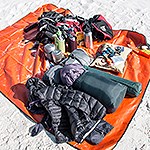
[
  {"x": 108, "y": 92},
  {"x": 101, "y": 29}
]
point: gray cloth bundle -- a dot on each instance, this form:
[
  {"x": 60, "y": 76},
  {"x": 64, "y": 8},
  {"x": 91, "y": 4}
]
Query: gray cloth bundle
[{"x": 78, "y": 56}]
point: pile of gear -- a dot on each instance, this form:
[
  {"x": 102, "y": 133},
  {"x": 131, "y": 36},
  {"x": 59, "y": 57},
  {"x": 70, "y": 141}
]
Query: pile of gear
[
  {"x": 72, "y": 111},
  {"x": 67, "y": 32}
]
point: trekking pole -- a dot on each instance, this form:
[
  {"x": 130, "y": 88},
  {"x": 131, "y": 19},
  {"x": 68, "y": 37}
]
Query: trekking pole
[{"x": 36, "y": 60}]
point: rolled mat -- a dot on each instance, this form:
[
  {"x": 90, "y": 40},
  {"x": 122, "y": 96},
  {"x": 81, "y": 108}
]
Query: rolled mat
[{"x": 133, "y": 88}]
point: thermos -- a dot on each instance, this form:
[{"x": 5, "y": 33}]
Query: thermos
[
  {"x": 48, "y": 49},
  {"x": 72, "y": 43},
  {"x": 57, "y": 56},
  {"x": 59, "y": 41},
  {"x": 88, "y": 40}
]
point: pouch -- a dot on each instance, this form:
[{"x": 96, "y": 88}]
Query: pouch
[{"x": 111, "y": 57}]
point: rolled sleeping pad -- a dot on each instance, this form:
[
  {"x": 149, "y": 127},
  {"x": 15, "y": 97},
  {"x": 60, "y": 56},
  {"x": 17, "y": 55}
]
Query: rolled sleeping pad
[{"x": 133, "y": 88}]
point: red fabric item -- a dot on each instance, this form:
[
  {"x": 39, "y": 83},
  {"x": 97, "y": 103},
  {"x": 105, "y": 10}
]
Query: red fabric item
[{"x": 17, "y": 65}]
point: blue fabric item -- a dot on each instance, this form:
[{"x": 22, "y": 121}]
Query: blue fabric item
[
  {"x": 52, "y": 76},
  {"x": 99, "y": 132},
  {"x": 69, "y": 73}
]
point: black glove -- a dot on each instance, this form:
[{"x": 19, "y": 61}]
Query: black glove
[{"x": 99, "y": 132}]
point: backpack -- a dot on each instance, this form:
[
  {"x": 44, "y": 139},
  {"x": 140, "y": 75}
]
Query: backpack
[{"x": 101, "y": 29}]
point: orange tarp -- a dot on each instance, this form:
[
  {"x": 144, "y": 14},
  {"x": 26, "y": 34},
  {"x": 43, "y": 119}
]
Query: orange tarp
[{"x": 17, "y": 65}]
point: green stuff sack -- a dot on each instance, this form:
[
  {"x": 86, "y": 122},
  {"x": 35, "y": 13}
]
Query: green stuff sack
[
  {"x": 133, "y": 88},
  {"x": 108, "y": 92}
]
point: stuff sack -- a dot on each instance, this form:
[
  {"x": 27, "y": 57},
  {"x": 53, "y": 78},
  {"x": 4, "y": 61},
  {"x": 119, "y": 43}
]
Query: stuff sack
[
  {"x": 101, "y": 29},
  {"x": 78, "y": 56},
  {"x": 108, "y": 92},
  {"x": 133, "y": 88}
]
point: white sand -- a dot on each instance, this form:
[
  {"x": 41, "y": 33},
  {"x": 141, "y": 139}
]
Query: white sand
[{"x": 121, "y": 14}]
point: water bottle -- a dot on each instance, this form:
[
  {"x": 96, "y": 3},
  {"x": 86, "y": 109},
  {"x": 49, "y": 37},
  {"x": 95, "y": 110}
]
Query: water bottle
[
  {"x": 88, "y": 40},
  {"x": 72, "y": 43},
  {"x": 48, "y": 49},
  {"x": 57, "y": 56},
  {"x": 59, "y": 41}
]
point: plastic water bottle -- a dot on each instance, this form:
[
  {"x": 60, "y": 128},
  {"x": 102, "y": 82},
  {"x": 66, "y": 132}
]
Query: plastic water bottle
[{"x": 59, "y": 41}]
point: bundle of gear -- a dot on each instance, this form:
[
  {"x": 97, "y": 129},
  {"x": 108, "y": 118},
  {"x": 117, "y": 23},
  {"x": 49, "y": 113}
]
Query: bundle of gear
[
  {"x": 72, "y": 111},
  {"x": 68, "y": 31}
]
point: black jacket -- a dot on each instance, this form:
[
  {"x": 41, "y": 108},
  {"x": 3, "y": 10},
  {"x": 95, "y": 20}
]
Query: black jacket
[{"x": 69, "y": 110}]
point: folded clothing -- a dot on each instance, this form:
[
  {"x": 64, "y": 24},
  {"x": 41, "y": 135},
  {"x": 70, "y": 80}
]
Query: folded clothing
[{"x": 69, "y": 73}]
